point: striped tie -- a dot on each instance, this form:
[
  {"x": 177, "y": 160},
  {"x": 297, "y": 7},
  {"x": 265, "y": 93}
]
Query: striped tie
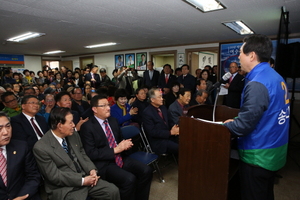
[
  {"x": 3, "y": 167},
  {"x": 112, "y": 144},
  {"x": 64, "y": 145}
]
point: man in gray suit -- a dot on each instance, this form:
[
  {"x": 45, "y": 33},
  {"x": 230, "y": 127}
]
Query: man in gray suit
[
  {"x": 177, "y": 108},
  {"x": 67, "y": 170}
]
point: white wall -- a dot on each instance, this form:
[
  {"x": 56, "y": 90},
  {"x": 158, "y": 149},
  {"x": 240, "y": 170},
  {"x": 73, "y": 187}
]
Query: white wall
[{"x": 107, "y": 60}]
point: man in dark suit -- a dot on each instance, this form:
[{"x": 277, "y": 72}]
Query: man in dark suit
[
  {"x": 77, "y": 103},
  {"x": 19, "y": 176},
  {"x": 187, "y": 80},
  {"x": 235, "y": 86},
  {"x": 155, "y": 121},
  {"x": 132, "y": 177},
  {"x": 68, "y": 172},
  {"x": 166, "y": 79},
  {"x": 28, "y": 126},
  {"x": 151, "y": 75},
  {"x": 93, "y": 77}
]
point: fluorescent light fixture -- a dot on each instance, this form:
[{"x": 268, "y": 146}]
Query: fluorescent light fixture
[
  {"x": 239, "y": 27},
  {"x": 206, "y": 5},
  {"x": 101, "y": 45},
  {"x": 54, "y": 52},
  {"x": 25, "y": 36}
]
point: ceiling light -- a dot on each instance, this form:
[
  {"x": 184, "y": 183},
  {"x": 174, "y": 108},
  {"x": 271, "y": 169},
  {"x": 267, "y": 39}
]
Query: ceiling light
[
  {"x": 239, "y": 27},
  {"x": 101, "y": 45},
  {"x": 25, "y": 36},
  {"x": 54, "y": 52},
  {"x": 206, "y": 5}
]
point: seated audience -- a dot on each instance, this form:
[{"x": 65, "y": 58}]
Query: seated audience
[
  {"x": 63, "y": 99},
  {"x": 49, "y": 104},
  {"x": 12, "y": 108},
  {"x": 122, "y": 111},
  {"x": 162, "y": 138},
  {"x": 77, "y": 103},
  {"x": 102, "y": 141},
  {"x": 200, "y": 98},
  {"x": 2, "y": 90},
  {"x": 172, "y": 95},
  {"x": 67, "y": 170},
  {"x": 140, "y": 103},
  {"x": 178, "y": 107},
  {"x": 28, "y": 126},
  {"x": 19, "y": 175}
]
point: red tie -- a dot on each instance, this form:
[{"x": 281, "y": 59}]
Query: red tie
[
  {"x": 112, "y": 144},
  {"x": 3, "y": 167},
  {"x": 37, "y": 130},
  {"x": 161, "y": 114},
  {"x": 167, "y": 78},
  {"x": 230, "y": 79}
]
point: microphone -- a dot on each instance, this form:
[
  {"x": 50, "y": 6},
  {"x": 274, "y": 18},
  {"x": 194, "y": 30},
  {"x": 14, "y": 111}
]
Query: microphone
[{"x": 224, "y": 78}]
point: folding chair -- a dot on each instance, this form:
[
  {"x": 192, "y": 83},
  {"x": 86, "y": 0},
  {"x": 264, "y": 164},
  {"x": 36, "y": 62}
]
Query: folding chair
[{"x": 142, "y": 156}]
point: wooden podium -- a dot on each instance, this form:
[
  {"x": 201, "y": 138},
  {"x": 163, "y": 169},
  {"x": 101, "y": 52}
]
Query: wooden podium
[{"x": 205, "y": 167}]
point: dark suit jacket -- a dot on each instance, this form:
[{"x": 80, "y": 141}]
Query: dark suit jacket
[
  {"x": 96, "y": 84},
  {"x": 157, "y": 131},
  {"x": 162, "y": 81},
  {"x": 22, "y": 173},
  {"x": 154, "y": 81},
  {"x": 96, "y": 144},
  {"x": 188, "y": 82},
  {"x": 22, "y": 129},
  {"x": 233, "y": 98},
  {"x": 85, "y": 106},
  {"x": 57, "y": 167}
]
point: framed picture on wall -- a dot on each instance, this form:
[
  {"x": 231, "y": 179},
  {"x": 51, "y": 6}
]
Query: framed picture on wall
[
  {"x": 141, "y": 61},
  {"x": 205, "y": 59},
  {"x": 119, "y": 61},
  {"x": 180, "y": 59},
  {"x": 130, "y": 60}
]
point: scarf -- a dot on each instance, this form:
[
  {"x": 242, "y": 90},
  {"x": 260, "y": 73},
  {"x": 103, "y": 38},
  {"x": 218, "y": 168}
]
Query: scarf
[{"x": 123, "y": 108}]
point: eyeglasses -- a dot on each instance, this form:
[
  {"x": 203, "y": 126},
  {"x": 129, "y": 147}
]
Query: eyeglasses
[
  {"x": 103, "y": 106},
  {"x": 11, "y": 101}
]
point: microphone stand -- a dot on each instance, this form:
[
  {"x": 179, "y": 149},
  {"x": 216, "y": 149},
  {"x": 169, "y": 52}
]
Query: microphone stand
[{"x": 215, "y": 104}]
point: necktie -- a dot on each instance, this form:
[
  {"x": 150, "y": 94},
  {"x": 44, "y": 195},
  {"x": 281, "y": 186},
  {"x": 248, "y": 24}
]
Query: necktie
[
  {"x": 37, "y": 130},
  {"x": 112, "y": 144},
  {"x": 64, "y": 145},
  {"x": 230, "y": 79},
  {"x": 3, "y": 167},
  {"x": 92, "y": 76},
  {"x": 167, "y": 78},
  {"x": 160, "y": 113}
]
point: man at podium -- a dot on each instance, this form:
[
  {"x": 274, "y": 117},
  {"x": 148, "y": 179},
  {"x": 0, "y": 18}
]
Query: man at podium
[{"x": 263, "y": 121}]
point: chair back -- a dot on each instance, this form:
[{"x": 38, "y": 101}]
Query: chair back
[
  {"x": 145, "y": 140},
  {"x": 129, "y": 131}
]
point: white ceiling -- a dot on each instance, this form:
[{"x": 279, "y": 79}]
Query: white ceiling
[{"x": 71, "y": 24}]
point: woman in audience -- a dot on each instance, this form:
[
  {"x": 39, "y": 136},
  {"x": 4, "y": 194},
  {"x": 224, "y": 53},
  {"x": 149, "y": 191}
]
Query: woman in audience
[
  {"x": 122, "y": 110},
  {"x": 86, "y": 91},
  {"x": 172, "y": 95},
  {"x": 69, "y": 78},
  {"x": 140, "y": 103},
  {"x": 205, "y": 75},
  {"x": 58, "y": 79}
]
